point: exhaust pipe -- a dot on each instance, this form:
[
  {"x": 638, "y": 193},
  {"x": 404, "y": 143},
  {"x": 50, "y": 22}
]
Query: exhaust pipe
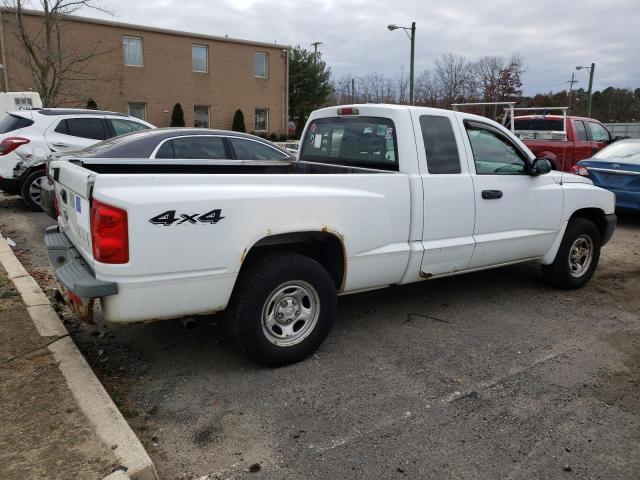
[{"x": 188, "y": 323}]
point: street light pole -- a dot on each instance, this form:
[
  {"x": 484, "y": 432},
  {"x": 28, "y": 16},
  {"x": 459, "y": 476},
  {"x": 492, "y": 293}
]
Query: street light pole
[
  {"x": 412, "y": 37},
  {"x": 591, "y": 69}
]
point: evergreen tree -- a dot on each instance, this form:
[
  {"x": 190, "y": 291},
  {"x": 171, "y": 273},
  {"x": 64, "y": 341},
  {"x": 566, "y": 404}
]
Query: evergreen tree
[
  {"x": 177, "y": 116},
  {"x": 309, "y": 84},
  {"x": 238, "y": 122}
]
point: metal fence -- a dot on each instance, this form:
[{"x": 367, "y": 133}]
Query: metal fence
[{"x": 630, "y": 130}]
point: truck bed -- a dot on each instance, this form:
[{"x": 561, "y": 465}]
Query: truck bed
[{"x": 111, "y": 166}]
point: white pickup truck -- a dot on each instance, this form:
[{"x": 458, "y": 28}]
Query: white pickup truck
[{"x": 381, "y": 195}]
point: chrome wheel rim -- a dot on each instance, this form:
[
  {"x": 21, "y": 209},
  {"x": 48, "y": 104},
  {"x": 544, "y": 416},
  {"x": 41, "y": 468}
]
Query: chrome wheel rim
[
  {"x": 580, "y": 255},
  {"x": 35, "y": 189},
  {"x": 290, "y": 313}
]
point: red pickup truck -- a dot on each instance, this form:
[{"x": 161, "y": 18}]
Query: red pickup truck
[{"x": 546, "y": 136}]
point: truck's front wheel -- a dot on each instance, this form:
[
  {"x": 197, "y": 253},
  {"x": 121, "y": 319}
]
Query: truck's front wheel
[
  {"x": 577, "y": 257},
  {"x": 283, "y": 308}
]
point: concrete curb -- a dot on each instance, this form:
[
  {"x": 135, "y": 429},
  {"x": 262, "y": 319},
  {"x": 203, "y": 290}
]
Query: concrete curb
[{"x": 93, "y": 399}]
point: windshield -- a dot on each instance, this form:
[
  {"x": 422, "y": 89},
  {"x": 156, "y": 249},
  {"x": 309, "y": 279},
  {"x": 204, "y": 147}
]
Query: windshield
[
  {"x": 539, "y": 124},
  {"x": 623, "y": 152},
  {"x": 368, "y": 142}
]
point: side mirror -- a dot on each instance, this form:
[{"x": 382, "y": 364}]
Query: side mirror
[{"x": 541, "y": 166}]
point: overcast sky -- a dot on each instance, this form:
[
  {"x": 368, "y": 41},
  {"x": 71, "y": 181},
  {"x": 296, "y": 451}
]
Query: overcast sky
[{"x": 553, "y": 35}]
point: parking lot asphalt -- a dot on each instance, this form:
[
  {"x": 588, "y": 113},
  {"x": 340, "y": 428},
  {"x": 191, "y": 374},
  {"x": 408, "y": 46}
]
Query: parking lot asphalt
[{"x": 486, "y": 375}]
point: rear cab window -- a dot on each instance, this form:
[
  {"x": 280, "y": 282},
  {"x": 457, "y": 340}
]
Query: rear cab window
[
  {"x": 11, "y": 123},
  {"x": 368, "y": 142},
  {"x": 440, "y": 145}
]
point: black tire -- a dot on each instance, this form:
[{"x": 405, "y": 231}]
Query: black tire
[
  {"x": 254, "y": 289},
  {"x": 559, "y": 273},
  {"x": 30, "y": 198}
]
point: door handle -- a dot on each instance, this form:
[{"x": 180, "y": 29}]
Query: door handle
[
  {"x": 491, "y": 194},
  {"x": 59, "y": 144}
]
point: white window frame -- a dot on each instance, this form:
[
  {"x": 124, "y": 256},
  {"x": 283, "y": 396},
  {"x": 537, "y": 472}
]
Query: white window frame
[
  {"x": 206, "y": 58},
  {"x": 208, "y": 115},
  {"x": 130, "y": 37},
  {"x": 255, "y": 118},
  {"x": 144, "y": 107},
  {"x": 266, "y": 65}
]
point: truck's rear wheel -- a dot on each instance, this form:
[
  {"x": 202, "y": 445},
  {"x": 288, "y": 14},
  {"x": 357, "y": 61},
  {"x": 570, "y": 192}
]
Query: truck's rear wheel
[
  {"x": 577, "y": 257},
  {"x": 283, "y": 308}
]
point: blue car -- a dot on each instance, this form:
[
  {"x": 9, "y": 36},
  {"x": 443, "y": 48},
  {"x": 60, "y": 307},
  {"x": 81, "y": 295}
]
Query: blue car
[{"x": 617, "y": 169}]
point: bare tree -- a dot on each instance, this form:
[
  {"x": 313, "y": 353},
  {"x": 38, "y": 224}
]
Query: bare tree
[
  {"x": 510, "y": 80},
  {"x": 425, "y": 90},
  {"x": 403, "y": 87},
  {"x": 54, "y": 64},
  {"x": 452, "y": 74},
  {"x": 486, "y": 71}
]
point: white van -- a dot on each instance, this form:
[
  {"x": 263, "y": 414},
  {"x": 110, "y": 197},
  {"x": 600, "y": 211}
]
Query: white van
[{"x": 11, "y": 101}]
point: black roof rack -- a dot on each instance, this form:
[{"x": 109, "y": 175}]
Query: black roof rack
[{"x": 76, "y": 111}]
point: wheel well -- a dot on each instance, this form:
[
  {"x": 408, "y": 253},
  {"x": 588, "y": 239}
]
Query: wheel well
[
  {"x": 324, "y": 247},
  {"x": 595, "y": 215},
  {"x": 30, "y": 170}
]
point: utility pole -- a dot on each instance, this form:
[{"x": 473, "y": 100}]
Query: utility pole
[
  {"x": 315, "y": 50},
  {"x": 571, "y": 82},
  {"x": 413, "y": 50},
  {"x": 353, "y": 90},
  {"x": 591, "y": 69}
]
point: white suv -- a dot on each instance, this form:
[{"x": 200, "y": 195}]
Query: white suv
[{"x": 28, "y": 137}]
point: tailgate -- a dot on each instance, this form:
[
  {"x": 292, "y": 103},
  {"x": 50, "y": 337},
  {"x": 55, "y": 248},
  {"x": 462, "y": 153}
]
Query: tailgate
[{"x": 73, "y": 185}]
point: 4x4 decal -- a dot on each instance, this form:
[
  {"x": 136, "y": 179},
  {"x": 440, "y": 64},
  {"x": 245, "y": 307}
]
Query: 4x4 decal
[{"x": 170, "y": 217}]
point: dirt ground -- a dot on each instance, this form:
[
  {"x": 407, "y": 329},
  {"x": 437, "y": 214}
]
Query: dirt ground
[
  {"x": 486, "y": 375},
  {"x": 44, "y": 434}
]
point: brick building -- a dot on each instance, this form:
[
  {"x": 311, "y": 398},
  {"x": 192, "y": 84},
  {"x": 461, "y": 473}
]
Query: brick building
[{"x": 145, "y": 71}]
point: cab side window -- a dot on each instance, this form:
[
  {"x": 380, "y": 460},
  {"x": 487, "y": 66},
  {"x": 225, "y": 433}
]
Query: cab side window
[
  {"x": 598, "y": 132},
  {"x": 493, "y": 153},
  {"x": 581, "y": 131},
  {"x": 439, "y": 145}
]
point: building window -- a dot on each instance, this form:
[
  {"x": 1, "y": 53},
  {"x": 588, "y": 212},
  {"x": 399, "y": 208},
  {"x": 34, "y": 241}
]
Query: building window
[
  {"x": 138, "y": 110},
  {"x": 199, "y": 58},
  {"x": 261, "y": 65},
  {"x": 132, "y": 51},
  {"x": 201, "y": 116},
  {"x": 262, "y": 119}
]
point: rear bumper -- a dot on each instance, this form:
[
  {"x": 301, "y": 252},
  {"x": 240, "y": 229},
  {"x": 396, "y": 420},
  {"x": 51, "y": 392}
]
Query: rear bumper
[
  {"x": 610, "y": 226},
  {"x": 10, "y": 185},
  {"x": 71, "y": 269}
]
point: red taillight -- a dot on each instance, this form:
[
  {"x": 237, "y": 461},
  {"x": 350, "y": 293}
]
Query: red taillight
[
  {"x": 9, "y": 144},
  {"x": 109, "y": 233},
  {"x": 578, "y": 170}
]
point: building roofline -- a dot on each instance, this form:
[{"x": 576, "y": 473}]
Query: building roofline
[{"x": 178, "y": 33}]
